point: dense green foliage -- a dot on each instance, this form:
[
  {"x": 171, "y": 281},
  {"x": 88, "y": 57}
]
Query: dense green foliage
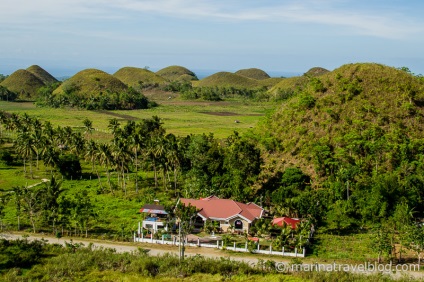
[
  {"x": 129, "y": 99},
  {"x": 357, "y": 131}
]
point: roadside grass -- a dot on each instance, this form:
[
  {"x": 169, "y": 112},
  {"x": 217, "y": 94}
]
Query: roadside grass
[{"x": 349, "y": 248}]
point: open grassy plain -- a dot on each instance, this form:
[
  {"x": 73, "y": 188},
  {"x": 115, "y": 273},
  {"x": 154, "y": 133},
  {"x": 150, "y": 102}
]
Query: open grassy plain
[{"x": 180, "y": 117}]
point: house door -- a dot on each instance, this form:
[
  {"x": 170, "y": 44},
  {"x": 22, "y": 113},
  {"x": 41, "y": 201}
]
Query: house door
[{"x": 238, "y": 224}]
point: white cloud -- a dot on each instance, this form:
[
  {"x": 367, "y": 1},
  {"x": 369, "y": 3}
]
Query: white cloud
[{"x": 323, "y": 12}]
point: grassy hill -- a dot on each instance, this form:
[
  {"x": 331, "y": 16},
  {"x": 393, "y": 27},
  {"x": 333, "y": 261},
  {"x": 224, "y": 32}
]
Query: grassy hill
[
  {"x": 23, "y": 83},
  {"x": 91, "y": 82},
  {"x": 42, "y": 74},
  {"x": 354, "y": 103},
  {"x": 253, "y": 73},
  {"x": 296, "y": 83},
  {"x": 177, "y": 73},
  {"x": 227, "y": 79},
  {"x": 133, "y": 76},
  {"x": 316, "y": 71}
]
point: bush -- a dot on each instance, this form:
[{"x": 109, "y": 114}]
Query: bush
[
  {"x": 7, "y": 158},
  {"x": 69, "y": 166}
]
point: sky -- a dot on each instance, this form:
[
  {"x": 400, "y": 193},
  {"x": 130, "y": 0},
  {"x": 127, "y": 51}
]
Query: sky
[{"x": 280, "y": 37}]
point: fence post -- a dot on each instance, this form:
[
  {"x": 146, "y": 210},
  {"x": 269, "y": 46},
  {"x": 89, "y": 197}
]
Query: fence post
[
  {"x": 245, "y": 246},
  {"x": 198, "y": 242},
  {"x": 258, "y": 246},
  {"x": 134, "y": 236},
  {"x": 304, "y": 252},
  {"x": 234, "y": 246},
  {"x": 217, "y": 244},
  {"x": 283, "y": 251},
  {"x": 295, "y": 252},
  {"x": 270, "y": 249},
  {"x": 163, "y": 239}
]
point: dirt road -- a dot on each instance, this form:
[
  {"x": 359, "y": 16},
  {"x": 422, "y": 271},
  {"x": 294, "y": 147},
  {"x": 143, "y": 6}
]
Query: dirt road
[{"x": 155, "y": 250}]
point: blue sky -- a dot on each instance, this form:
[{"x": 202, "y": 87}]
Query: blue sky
[{"x": 286, "y": 36}]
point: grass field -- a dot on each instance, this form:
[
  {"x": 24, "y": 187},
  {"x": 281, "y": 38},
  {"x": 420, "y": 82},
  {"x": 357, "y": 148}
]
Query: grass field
[{"x": 180, "y": 117}]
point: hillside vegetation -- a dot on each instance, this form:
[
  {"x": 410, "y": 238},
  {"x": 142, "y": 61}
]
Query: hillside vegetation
[
  {"x": 24, "y": 83},
  {"x": 91, "y": 82},
  {"x": 177, "y": 73},
  {"x": 254, "y": 73},
  {"x": 138, "y": 78},
  {"x": 358, "y": 132},
  {"x": 42, "y": 74},
  {"x": 227, "y": 79}
]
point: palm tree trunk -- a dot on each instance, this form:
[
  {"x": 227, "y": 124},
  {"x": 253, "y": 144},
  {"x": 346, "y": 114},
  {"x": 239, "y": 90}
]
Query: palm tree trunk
[
  {"x": 136, "y": 172},
  {"x": 156, "y": 176}
]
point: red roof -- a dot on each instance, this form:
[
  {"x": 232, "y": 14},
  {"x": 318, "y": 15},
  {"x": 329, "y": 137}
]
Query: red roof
[
  {"x": 281, "y": 221},
  {"x": 213, "y": 207}
]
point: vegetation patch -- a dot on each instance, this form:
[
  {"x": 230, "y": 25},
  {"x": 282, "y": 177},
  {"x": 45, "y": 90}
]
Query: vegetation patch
[
  {"x": 177, "y": 73},
  {"x": 42, "y": 74},
  {"x": 23, "y": 83},
  {"x": 253, "y": 73},
  {"x": 228, "y": 79},
  {"x": 138, "y": 78}
]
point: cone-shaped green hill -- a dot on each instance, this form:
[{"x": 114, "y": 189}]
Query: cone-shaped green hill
[
  {"x": 42, "y": 74},
  {"x": 176, "y": 73},
  {"x": 358, "y": 116},
  {"x": 228, "y": 79},
  {"x": 136, "y": 77},
  {"x": 253, "y": 73},
  {"x": 24, "y": 83},
  {"x": 91, "y": 82}
]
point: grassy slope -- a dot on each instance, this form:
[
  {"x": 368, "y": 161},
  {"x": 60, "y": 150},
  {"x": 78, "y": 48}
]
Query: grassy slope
[
  {"x": 132, "y": 76},
  {"x": 316, "y": 71},
  {"x": 23, "y": 83},
  {"x": 253, "y": 73},
  {"x": 176, "y": 73},
  {"x": 383, "y": 101},
  {"x": 92, "y": 82},
  {"x": 227, "y": 79},
  {"x": 42, "y": 74}
]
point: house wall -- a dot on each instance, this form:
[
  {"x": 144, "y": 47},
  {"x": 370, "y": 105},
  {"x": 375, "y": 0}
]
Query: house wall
[{"x": 226, "y": 225}]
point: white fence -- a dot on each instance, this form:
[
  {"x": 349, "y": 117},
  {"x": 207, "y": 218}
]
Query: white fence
[{"x": 220, "y": 245}]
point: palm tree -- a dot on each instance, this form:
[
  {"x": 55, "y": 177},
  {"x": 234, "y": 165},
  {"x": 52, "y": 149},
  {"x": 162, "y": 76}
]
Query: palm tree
[
  {"x": 135, "y": 143},
  {"x": 173, "y": 157},
  {"x": 26, "y": 148},
  {"x": 50, "y": 205},
  {"x": 50, "y": 158},
  {"x": 120, "y": 158},
  {"x": 18, "y": 191},
  {"x": 31, "y": 204},
  {"x": 88, "y": 126},
  {"x": 105, "y": 157},
  {"x": 91, "y": 154},
  {"x": 114, "y": 125}
]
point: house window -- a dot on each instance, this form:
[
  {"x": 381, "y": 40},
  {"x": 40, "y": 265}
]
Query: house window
[{"x": 238, "y": 224}]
